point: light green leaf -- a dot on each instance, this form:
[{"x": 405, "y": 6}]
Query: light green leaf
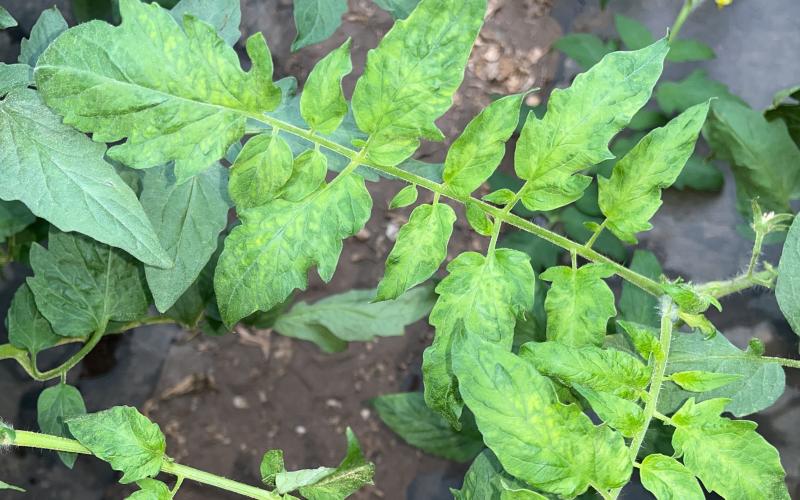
[
  {"x": 80, "y": 284},
  {"x": 523, "y": 422},
  {"x": 49, "y": 25},
  {"x": 260, "y": 170},
  {"x": 759, "y": 385},
  {"x": 55, "y": 406},
  {"x": 407, "y": 415},
  {"x": 579, "y": 304},
  {"x": 353, "y": 317},
  {"x": 575, "y": 225},
  {"x": 6, "y": 21},
  {"x": 518, "y": 493},
  {"x": 410, "y": 78},
  {"x": 420, "y": 249},
  {"x": 579, "y": 123},
  {"x": 635, "y": 304},
  {"x": 633, "y": 193},
  {"x": 308, "y": 174},
  {"x": 477, "y": 152},
  {"x": 150, "y": 489},
  {"x": 483, "y": 479},
  {"x": 634, "y": 34},
  {"x": 787, "y": 289},
  {"x": 689, "y": 50},
  {"x": 399, "y": 9},
  {"x": 584, "y": 48},
  {"x": 405, "y": 197},
  {"x": 482, "y": 296},
  {"x": 292, "y": 237},
  {"x": 124, "y": 438},
  {"x": 621, "y": 414},
  {"x": 728, "y": 456},
  {"x": 758, "y": 152},
  {"x": 603, "y": 370},
  {"x": 188, "y": 219},
  {"x": 271, "y": 465},
  {"x": 500, "y": 197},
  {"x": 13, "y": 76},
  {"x": 322, "y": 103},
  {"x": 700, "y": 175},
  {"x": 60, "y": 175},
  {"x": 316, "y": 20},
  {"x": 223, "y": 15},
  {"x": 642, "y": 337},
  {"x": 293, "y": 480},
  {"x": 543, "y": 254},
  {"x": 668, "y": 479},
  {"x": 700, "y": 381},
  {"x": 190, "y": 308},
  {"x": 788, "y": 111},
  {"x": 4, "y": 485},
  {"x": 14, "y": 217},
  {"x": 150, "y": 95},
  {"x": 478, "y": 220},
  {"x": 676, "y": 97},
  {"x": 27, "y": 328}
]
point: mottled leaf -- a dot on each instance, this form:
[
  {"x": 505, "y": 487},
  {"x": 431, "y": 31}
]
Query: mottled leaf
[
  {"x": 477, "y": 152},
  {"x": 260, "y": 170},
  {"x": 308, "y": 174},
  {"x": 80, "y": 285},
  {"x": 482, "y": 296},
  {"x": 478, "y": 220},
  {"x": 579, "y": 123},
  {"x": 60, "y": 175},
  {"x": 700, "y": 381},
  {"x": 223, "y": 15},
  {"x": 55, "y": 406},
  {"x": 124, "y": 438},
  {"x": 668, "y": 479},
  {"x": 420, "y": 249},
  {"x": 322, "y": 102},
  {"x": 151, "y": 95},
  {"x": 728, "y": 456},
  {"x": 405, "y": 197},
  {"x": 410, "y": 78},
  {"x": 188, "y": 218},
  {"x": 618, "y": 413},
  {"x": 49, "y": 25},
  {"x": 523, "y": 422},
  {"x": 632, "y": 195},
  {"x": 579, "y": 304},
  {"x": 353, "y": 317},
  {"x": 316, "y": 20}
]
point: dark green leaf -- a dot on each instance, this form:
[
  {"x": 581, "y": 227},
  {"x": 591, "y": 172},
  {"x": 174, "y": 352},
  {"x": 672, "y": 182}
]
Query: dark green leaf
[
  {"x": 689, "y": 50},
  {"x": 584, "y": 49},
  {"x": 700, "y": 175},
  {"x": 322, "y": 102},
  {"x": 49, "y": 25},
  {"x": 223, "y": 15},
  {"x": 27, "y": 328},
  {"x": 676, "y": 97},
  {"x": 634, "y": 34},
  {"x": 316, "y": 20},
  {"x": 55, "y": 406},
  {"x": 150, "y": 489},
  {"x": 787, "y": 289},
  {"x": 14, "y": 217}
]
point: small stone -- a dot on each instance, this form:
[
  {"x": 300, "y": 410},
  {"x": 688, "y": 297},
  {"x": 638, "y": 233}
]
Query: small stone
[
  {"x": 300, "y": 430},
  {"x": 239, "y": 402},
  {"x": 365, "y": 413},
  {"x": 363, "y": 235}
]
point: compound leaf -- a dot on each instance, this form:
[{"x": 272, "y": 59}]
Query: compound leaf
[
  {"x": 482, "y": 296},
  {"x": 668, "y": 479},
  {"x": 322, "y": 103},
  {"x": 316, "y": 20},
  {"x": 353, "y": 317},
  {"x": 288, "y": 237},
  {"x": 728, "y": 456},
  {"x": 60, "y": 175},
  {"x": 188, "y": 219},
  {"x": 54, "y": 407},
  {"x": 260, "y": 170},
  {"x": 27, "y": 328},
  {"x": 80, "y": 285},
  {"x": 477, "y": 152},
  {"x": 579, "y": 123},
  {"x": 602, "y": 370},
  {"x": 579, "y": 304},
  {"x": 420, "y": 249},
  {"x": 759, "y": 383},
  {"x": 124, "y": 438},
  {"x": 223, "y": 15},
  {"x": 46, "y": 29},
  {"x": 408, "y": 415},
  {"x": 632, "y": 195},
  {"x": 787, "y": 289},
  {"x": 523, "y": 422},
  {"x": 150, "y": 94},
  {"x": 758, "y": 152},
  {"x": 410, "y": 78}
]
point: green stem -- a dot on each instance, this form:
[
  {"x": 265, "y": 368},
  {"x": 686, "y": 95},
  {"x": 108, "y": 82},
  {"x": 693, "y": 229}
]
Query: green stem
[
  {"x": 495, "y": 234},
  {"x": 55, "y": 443},
  {"x": 683, "y": 15},
  {"x": 789, "y": 363},
  {"x": 751, "y": 267},
  {"x": 596, "y": 234},
  {"x": 656, "y": 381},
  {"x": 718, "y": 289},
  {"x": 503, "y": 214},
  {"x": 73, "y": 360}
]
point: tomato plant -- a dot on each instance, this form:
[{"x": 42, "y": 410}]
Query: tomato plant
[{"x": 126, "y": 146}]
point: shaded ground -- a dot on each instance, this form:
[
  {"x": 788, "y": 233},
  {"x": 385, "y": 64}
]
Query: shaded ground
[{"x": 222, "y": 402}]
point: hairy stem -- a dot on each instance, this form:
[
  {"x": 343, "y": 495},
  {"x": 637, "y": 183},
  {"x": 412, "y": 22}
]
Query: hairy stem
[
  {"x": 656, "y": 381},
  {"x": 73, "y": 360},
  {"x": 718, "y": 289},
  {"x": 55, "y": 443}
]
